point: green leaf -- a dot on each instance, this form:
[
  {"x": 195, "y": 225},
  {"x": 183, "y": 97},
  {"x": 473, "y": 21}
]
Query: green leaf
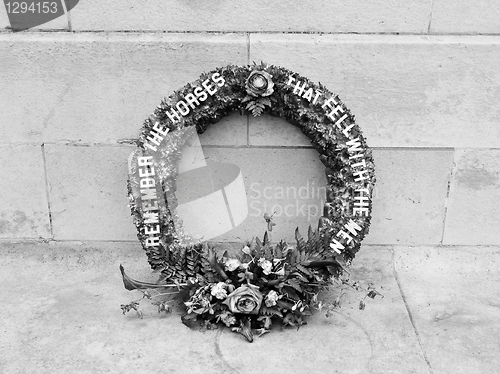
[
  {"x": 300, "y": 277},
  {"x": 266, "y": 239},
  {"x": 284, "y": 304},
  {"x": 268, "y": 252},
  {"x": 132, "y": 284},
  {"x": 304, "y": 270},
  {"x": 188, "y": 318},
  {"x": 212, "y": 258},
  {"x": 304, "y": 256},
  {"x": 272, "y": 311},
  {"x": 320, "y": 263},
  {"x": 258, "y": 243},
  {"x": 309, "y": 235},
  {"x": 294, "y": 283},
  {"x": 290, "y": 293},
  {"x": 278, "y": 251}
]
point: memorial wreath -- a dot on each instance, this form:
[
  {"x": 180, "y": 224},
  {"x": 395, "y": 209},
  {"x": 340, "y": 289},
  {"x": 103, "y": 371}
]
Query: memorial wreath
[{"x": 264, "y": 281}]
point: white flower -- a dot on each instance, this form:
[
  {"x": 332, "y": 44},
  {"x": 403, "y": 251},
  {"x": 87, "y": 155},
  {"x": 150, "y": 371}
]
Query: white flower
[
  {"x": 232, "y": 264},
  {"x": 227, "y": 318},
  {"x": 219, "y": 290},
  {"x": 271, "y": 298},
  {"x": 246, "y": 249},
  {"x": 266, "y": 265}
]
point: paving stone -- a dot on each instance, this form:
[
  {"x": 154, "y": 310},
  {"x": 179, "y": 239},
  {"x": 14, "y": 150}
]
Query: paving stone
[
  {"x": 452, "y": 294},
  {"x": 88, "y": 192},
  {"x": 60, "y": 96},
  {"x": 378, "y": 339},
  {"x": 65, "y": 317},
  {"x": 473, "y": 204},
  {"x": 68, "y": 314},
  {"x": 24, "y": 210},
  {"x": 478, "y": 17},
  {"x": 400, "y": 96},
  {"x": 259, "y": 16}
]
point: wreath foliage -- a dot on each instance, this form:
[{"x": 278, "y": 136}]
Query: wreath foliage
[{"x": 264, "y": 281}]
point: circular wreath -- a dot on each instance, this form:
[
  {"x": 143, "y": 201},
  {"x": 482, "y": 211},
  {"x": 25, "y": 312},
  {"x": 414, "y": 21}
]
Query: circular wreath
[{"x": 264, "y": 281}]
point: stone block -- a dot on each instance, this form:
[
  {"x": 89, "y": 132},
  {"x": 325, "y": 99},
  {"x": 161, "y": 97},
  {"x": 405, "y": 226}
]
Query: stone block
[
  {"x": 405, "y": 91},
  {"x": 256, "y": 16},
  {"x": 230, "y": 130},
  {"x": 289, "y": 182},
  {"x": 274, "y": 131},
  {"x": 24, "y": 211},
  {"x": 409, "y": 196},
  {"x": 88, "y": 192},
  {"x": 465, "y": 17},
  {"x": 54, "y": 92},
  {"x": 452, "y": 295},
  {"x": 408, "y": 203},
  {"x": 88, "y": 187},
  {"x": 472, "y": 216}
]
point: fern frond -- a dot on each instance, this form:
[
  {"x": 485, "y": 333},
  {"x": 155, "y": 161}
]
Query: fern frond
[
  {"x": 294, "y": 283},
  {"x": 265, "y": 101},
  {"x": 301, "y": 244},
  {"x": 304, "y": 270},
  {"x": 310, "y": 238}
]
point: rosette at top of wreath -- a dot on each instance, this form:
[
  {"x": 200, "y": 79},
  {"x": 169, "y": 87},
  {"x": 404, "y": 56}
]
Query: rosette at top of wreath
[{"x": 259, "y": 87}]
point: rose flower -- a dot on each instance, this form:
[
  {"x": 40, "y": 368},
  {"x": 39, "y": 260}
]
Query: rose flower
[
  {"x": 245, "y": 299},
  {"x": 259, "y": 83}
]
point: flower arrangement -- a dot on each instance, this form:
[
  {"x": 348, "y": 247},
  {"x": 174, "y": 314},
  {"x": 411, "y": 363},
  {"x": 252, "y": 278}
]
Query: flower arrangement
[{"x": 263, "y": 282}]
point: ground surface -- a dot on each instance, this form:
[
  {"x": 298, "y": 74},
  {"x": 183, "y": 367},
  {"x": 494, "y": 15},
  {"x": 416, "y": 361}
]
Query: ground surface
[{"x": 61, "y": 314}]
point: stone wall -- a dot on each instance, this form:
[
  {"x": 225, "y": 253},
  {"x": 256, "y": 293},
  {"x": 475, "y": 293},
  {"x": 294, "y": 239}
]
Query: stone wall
[{"x": 421, "y": 77}]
